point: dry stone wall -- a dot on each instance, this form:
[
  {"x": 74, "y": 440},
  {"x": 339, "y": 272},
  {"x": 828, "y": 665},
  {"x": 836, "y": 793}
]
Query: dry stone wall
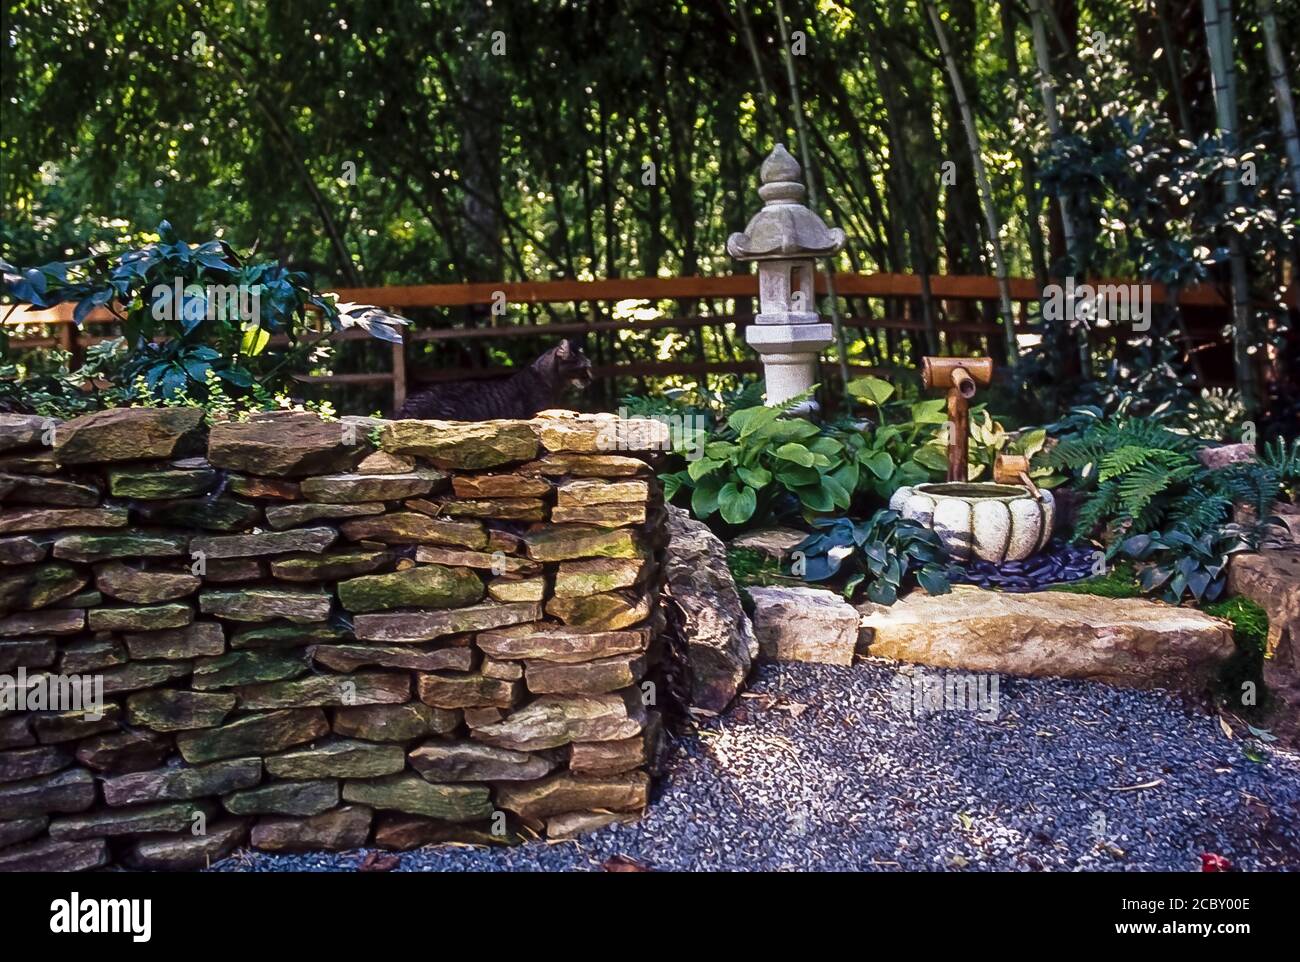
[{"x": 304, "y": 634}]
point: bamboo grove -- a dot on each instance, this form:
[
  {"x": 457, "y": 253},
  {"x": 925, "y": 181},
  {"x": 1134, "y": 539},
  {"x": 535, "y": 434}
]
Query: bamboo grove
[{"x": 391, "y": 141}]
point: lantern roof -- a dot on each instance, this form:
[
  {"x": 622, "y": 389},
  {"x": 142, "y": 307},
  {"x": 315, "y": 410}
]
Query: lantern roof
[{"x": 785, "y": 227}]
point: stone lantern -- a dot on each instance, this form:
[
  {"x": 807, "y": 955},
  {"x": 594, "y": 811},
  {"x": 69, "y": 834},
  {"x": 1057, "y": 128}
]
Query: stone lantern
[{"x": 786, "y": 238}]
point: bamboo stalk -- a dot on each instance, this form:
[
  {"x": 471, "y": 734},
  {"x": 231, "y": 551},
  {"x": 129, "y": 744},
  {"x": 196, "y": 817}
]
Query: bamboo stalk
[
  {"x": 985, "y": 189},
  {"x": 801, "y": 128},
  {"x": 1037, "y": 19},
  {"x": 1281, "y": 92},
  {"x": 1218, "y": 40},
  {"x": 1174, "y": 60}
]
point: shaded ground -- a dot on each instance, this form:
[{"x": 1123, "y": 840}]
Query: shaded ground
[{"x": 819, "y": 769}]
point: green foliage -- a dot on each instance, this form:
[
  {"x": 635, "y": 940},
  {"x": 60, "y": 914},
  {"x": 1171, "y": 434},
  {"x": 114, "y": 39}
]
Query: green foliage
[
  {"x": 760, "y": 455},
  {"x": 914, "y": 448},
  {"x": 1140, "y": 477},
  {"x": 1178, "y": 564},
  {"x": 883, "y": 554},
  {"x": 988, "y": 439},
  {"x": 1284, "y": 461},
  {"x": 750, "y": 567},
  {"x": 219, "y": 405},
  {"x": 190, "y": 310},
  {"x": 53, "y": 391},
  {"x": 1249, "y": 621},
  {"x": 889, "y": 456},
  {"x": 1132, "y": 472}
]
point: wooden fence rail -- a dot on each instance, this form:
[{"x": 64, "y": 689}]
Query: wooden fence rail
[{"x": 957, "y": 296}]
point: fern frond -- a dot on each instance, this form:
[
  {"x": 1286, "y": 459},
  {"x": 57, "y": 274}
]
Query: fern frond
[
  {"x": 1122, "y": 459},
  {"x": 1140, "y": 485},
  {"x": 1101, "y": 503}
]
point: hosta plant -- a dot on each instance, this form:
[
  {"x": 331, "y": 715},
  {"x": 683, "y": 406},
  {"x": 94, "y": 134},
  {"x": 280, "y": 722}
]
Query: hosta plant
[
  {"x": 1178, "y": 564},
  {"x": 759, "y": 457},
  {"x": 879, "y": 556}
]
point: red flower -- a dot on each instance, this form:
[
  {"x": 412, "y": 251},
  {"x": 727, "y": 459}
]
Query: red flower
[{"x": 1210, "y": 862}]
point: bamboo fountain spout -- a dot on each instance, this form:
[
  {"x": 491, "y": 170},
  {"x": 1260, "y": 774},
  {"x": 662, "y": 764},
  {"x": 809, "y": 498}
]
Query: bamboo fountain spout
[{"x": 960, "y": 377}]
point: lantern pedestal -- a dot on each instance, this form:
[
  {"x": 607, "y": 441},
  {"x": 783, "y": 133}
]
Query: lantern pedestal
[{"x": 789, "y": 354}]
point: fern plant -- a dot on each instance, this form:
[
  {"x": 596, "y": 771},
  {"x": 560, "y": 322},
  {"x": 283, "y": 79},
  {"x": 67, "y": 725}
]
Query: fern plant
[
  {"x": 1132, "y": 473},
  {"x": 1283, "y": 460}
]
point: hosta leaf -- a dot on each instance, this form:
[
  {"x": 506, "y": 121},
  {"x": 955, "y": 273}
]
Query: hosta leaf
[
  {"x": 870, "y": 389},
  {"x": 817, "y": 497},
  {"x": 840, "y": 495},
  {"x": 702, "y": 467},
  {"x": 882, "y": 592},
  {"x": 929, "y": 412},
  {"x": 736, "y": 504},
  {"x": 934, "y": 579},
  {"x": 795, "y": 452},
  {"x": 793, "y": 475},
  {"x": 931, "y": 456},
  {"x": 704, "y": 500},
  {"x": 881, "y": 464}
]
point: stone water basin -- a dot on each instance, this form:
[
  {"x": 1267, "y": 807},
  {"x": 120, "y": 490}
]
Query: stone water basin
[{"x": 992, "y": 522}]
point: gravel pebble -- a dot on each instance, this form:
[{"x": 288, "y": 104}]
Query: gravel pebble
[{"x": 820, "y": 769}]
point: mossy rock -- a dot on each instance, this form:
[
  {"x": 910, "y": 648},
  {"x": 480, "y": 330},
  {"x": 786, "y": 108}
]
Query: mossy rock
[
  {"x": 426, "y": 586},
  {"x": 156, "y": 483}
]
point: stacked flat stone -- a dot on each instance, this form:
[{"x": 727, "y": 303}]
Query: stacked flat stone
[{"x": 323, "y": 635}]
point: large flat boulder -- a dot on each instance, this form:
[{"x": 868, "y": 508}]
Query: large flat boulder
[
  {"x": 704, "y": 608},
  {"x": 1120, "y": 641}
]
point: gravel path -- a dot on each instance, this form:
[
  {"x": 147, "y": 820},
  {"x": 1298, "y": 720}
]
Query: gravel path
[{"x": 820, "y": 769}]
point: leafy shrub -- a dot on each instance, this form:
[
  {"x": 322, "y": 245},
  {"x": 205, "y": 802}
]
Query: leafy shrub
[
  {"x": 53, "y": 391},
  {"x": 759, "y": 456},
  {"x": 1183, "y": 565},
  {"x": 884, "y": 458},
  {"x": 914, "y": 449},
  {"x": 884, "y": 553},
  {"x": 173, "y": 342}
]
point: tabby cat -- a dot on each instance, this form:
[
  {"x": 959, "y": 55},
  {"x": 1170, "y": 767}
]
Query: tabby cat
[{"x": 536, "y": 388}]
